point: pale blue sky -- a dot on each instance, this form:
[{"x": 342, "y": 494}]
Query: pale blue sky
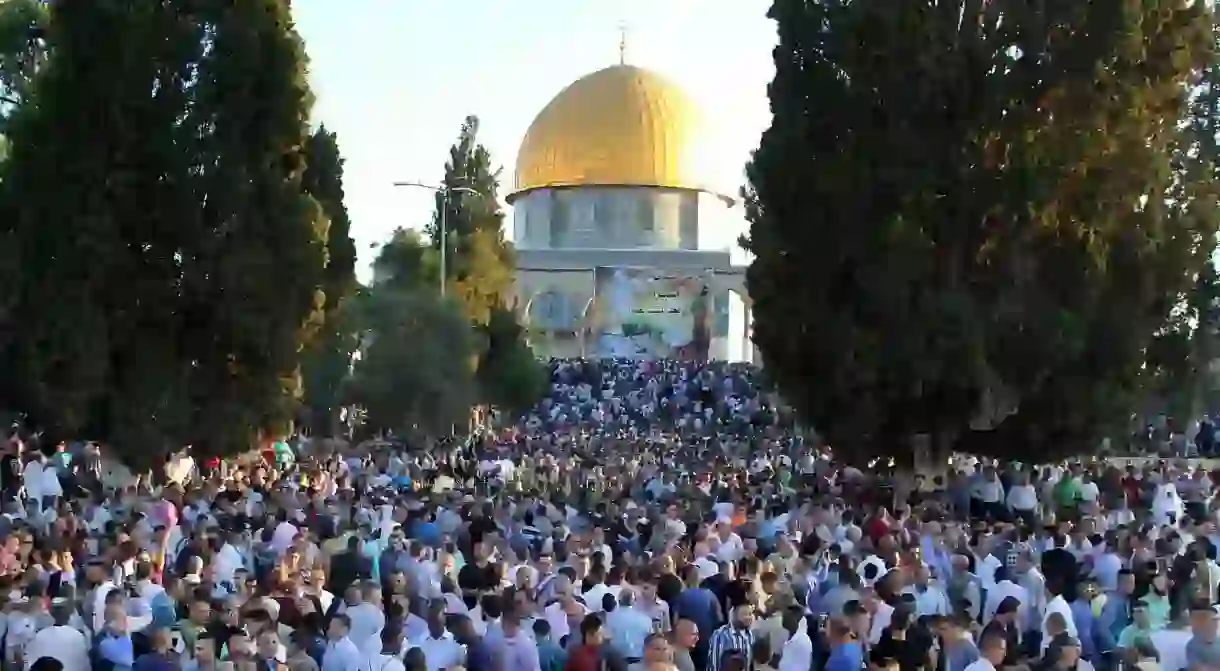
[{"x": 395, "y": 78}]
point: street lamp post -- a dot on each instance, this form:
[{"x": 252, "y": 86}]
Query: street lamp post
[{"x": 444, "y": 224}]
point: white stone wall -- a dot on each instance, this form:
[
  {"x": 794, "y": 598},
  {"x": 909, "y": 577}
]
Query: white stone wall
[{"x": 623, "y": 218}]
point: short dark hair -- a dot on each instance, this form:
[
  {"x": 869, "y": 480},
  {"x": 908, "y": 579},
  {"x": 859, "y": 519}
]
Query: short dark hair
[
  {"x": 47, "y": 664},
  {"x": 542, "y": 627},
  {"x": 590, "y": 625}
]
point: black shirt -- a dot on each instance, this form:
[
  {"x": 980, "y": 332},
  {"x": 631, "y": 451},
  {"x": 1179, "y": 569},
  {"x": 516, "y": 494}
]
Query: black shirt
[
  {"x": 346, "y": 568},
  {"x": 737, "y": 592},
  {"x": 10, "y": 472},
  {"x": 669, "y": 586},
  {"x": 910, "y": 652},
  {"x": 476, "y": 578},
  {"x": 480, "y": 527}
]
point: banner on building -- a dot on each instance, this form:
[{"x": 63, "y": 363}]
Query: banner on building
[{"x": 650, "y": 313}]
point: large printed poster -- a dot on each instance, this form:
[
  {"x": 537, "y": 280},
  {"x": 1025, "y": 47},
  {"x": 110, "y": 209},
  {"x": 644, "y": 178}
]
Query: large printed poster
[{"x": 646, "y": 313}]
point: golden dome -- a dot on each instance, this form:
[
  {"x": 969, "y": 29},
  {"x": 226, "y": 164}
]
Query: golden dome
[{"x": 621, "y": 126}]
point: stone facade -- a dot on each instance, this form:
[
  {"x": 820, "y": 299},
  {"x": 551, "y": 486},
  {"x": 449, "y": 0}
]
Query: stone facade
[{"x": 563, "y": 236}]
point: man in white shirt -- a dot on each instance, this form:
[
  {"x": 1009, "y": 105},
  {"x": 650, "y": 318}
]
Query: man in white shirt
[
  {"x": 1057, "y": 604},
  {"x": 990, "y": 491},
  {"x": 1003, "y": 589},
  {"x": 1107, "y": 564},
  {"x": 797, "y": 653},
  {"x": 365, "y": 618},
  {"x": 1029, "y": 577},
  {"x": 1022, "y": 499},
  {"x": 228, "y": 560},
  {"x": 1089, "y": 492},
  {"x": 731, "y": 546},
  {"x": 563, "y": 611},
  {"x": 99, "y": 572},
  {"x": 441, "y": 649},
  {"x": 341, "y": 654},
  {"x": 929, "y": 598},
  {"x": 389, "y": 659},
  {"x": 282, "y": 537},
  {"x": 61, "y": 641},
  {"x": 31, "y": 478}
]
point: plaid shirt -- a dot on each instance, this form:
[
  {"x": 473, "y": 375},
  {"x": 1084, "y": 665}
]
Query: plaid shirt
[{"x": 727, "y": 639}]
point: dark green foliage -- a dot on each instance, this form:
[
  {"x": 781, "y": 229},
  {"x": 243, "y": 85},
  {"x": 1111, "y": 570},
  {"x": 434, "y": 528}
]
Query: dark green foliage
[
  {"x": 480, "y": 262},
  {"x": 415, "y": 371},
  {"x": 481, "y": 266},
  {"x": 967, "y": 219},
  {"x": 406, "y": 263},
  {"x": 252, "y": 285},
  {"x": 1178, "y": 375},
  {"x": 161, "y": 262},
  {"x": 426, "y": 380},
  {"x": 327, "y": 362},
  {"x": 469, "y": 167},
  {"x": 510, "y": 376},
  {"x": 96, "y": 184},
  {"x": 323, "y": 180}
]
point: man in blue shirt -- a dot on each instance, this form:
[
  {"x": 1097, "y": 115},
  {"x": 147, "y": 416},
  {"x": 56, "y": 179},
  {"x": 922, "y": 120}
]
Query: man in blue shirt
[
  {"x": 112, "y": 647},
  {"x": 157, "y": 659},
  {"x": 699, "y": 605},
  {"x": 846, "y": 653}
]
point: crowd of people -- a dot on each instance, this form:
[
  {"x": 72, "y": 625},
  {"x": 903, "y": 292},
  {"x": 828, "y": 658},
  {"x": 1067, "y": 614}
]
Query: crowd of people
[{"x": 646, "y": 516}]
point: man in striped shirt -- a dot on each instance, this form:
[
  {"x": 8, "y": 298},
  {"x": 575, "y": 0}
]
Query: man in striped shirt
[{"x": 733, "y": 637}]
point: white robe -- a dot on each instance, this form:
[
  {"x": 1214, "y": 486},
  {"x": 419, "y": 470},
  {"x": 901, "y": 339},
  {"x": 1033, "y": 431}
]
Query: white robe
[{"x": 1167, "y": 503}]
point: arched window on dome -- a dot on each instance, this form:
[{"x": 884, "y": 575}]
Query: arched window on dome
[
  {"x": 688, "y": 221},
  {"x": 523, "y": 233},
  {"x": 561, "y": 220},
  {"x": 645, "y": 220},
  {"x": 545, "y": 310},
  {"x": 559, "y": 310},
  {"x": 605, "y": 218}
]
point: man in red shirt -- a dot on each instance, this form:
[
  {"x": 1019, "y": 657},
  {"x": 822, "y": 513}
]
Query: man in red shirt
[{"x": 588, "y": 655}]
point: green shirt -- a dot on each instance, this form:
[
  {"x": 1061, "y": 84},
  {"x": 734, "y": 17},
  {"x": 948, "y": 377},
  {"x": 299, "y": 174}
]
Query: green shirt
[
  {"x": 1158, "y": 611},
  {"x": 1067, "y": 492},
  {"x": 1129, "y": 634}
]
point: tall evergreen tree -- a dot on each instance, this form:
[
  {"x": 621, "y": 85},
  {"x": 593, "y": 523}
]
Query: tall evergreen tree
[
  {"x": 481, "y": 264},
  {"x": 162, "y": 262},
  {"x": 964, "y": 216},
  {"x": 323, "y": 179},
  {"x": 256, "y": 263},
  {"x": 92, "y": 199},
  {"x": 327, "y": 362},
  {"x": 479, "y": 260}
]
